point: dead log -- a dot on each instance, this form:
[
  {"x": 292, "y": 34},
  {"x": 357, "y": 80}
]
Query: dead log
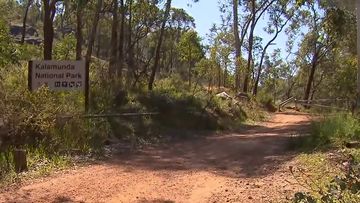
[{"x": 352, "y": 144}]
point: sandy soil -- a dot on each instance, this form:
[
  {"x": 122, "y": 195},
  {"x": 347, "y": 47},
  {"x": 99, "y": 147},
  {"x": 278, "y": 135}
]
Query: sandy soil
[{"x": 249, "y": 166}]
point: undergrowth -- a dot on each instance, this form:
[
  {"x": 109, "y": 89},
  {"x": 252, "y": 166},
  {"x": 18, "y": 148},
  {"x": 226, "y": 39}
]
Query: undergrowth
[
  {"x": 181, "y": 109},
  {"x": 328, "y": 171},
  {"x": 331, "y": 132},
  {"x": 49, "y": 127}
]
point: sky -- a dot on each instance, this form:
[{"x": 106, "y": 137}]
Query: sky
[{"x": 206, "y": 13}]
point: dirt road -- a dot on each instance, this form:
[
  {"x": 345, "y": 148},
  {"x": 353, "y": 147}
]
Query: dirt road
[{"x": 250, "y": 166}]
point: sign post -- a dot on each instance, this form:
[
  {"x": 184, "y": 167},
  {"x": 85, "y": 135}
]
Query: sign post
[{"x": 60, "y": 76}]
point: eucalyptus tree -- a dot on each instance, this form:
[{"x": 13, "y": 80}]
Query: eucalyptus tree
[
  {"x": 316, "y": 44},
  {"x": 159, "y": 43},
  {"x": 190, "y": 51},
  {"x": 240, "y": 25},
  {"x": 142, "y": 28},
  {"x": 179, "y": 24},
  {"x": 279, "y": 16},
  {"x": 238, "y": 41},
  {"x": 351, "y": 5},
  {"x": 224, "y": 50},
  {"x": 338, "y": 73},
  {"x": 324, "y": 49},
  {"x": 256, "y": 10}
]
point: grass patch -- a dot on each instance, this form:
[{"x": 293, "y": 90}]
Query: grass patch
[
  {"x": 330, "y": 132},
  {"x": 316, "y": 170},
  {"x": 39, "y": 165}
]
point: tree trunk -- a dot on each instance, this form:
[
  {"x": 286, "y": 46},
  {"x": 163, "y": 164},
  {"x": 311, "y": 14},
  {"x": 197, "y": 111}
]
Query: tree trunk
[
  {"x": 277, "y": 32},
  {"x": 311, "y": 78},
  {"x": 219, "y": 76},
  {"x": 49, "y": 14},
  {"x": 225, "y": 75},
  {"x": 93, "y": 31},
  {"x": 98, "y": 36},
  {"x": 114, "y": 40},
  {"x": 79, "y": 36},
  {"x": 190, "y": 65},
  {"x": 237, "y": 44},
  {"x": 255, "y": 90},
  {"x": 189, "y": 75},
  {"x": 121, "y": 40},
  {"x": 24, "y": 21},
  {"x": 289, "y": 90},
  {"x": 251, "y": 43},
  {"x": 130, "y": 58},
  {"x": 158, "y": 48}
]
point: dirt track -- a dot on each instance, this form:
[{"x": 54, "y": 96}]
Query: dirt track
[{"x": 250, "y": 166}]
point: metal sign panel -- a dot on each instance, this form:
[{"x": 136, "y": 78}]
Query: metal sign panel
[{"x": 58, "y": 75}]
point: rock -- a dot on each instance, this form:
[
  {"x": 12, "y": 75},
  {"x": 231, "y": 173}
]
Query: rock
[
  {"x": 31, "y": 35},
  {"x": 224, "y": 95}
]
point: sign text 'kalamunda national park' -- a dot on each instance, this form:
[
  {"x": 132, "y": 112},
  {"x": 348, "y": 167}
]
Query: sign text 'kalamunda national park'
[{"x": 57, "y": 75}]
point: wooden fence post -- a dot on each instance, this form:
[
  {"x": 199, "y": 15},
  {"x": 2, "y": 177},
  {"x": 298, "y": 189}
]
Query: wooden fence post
[{"x": 20, "y": 160}]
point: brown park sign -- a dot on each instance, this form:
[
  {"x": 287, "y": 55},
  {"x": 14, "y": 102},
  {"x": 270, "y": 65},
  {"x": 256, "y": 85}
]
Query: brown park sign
[{"x": 58, "y": 75}]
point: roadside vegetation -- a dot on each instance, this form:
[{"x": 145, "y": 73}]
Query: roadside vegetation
[
  {"x": 329, "y": 168},
  {"x": 49, "y": 127}
]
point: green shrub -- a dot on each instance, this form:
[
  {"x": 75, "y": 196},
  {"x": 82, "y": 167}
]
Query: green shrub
[
  {"x": 337, "y": 130},
  {"x": 178, "y": 108},
  {"x": 33, "y": 120},
  {"x": 184, "y": 111},
  {"x": 339, "y": 181},
  {"x": 266, "y": 101},
  {"x": 331, "y": 131},
  {"x": 65, "y": 48},
  {"x": 8, "y": 51}
]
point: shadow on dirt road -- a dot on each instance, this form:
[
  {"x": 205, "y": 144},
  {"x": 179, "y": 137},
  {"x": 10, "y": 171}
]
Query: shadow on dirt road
[{"x": 254, "y": 152}]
